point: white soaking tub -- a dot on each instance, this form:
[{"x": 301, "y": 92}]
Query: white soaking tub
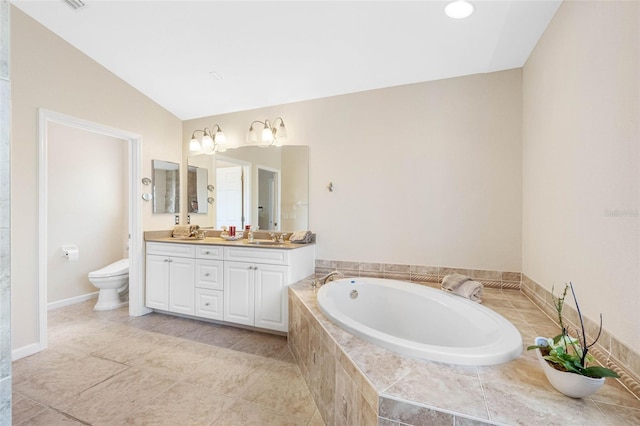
[{"x": 420, "y": 321}]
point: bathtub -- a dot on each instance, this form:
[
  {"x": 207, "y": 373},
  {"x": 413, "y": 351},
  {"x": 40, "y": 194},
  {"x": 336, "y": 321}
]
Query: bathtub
[{"x": 420, "y": 321}]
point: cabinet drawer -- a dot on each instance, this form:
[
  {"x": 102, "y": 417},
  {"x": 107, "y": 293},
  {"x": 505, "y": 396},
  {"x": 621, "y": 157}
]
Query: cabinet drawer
[
  {"x": 209, "y": 274},
  {"x": 209, "y": 303},
  {"x": 257, "y": 255},
  {"x": 209, "y": 252},
  {"x": 171, "y": 249}
]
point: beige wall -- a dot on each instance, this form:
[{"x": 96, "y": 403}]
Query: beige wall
[
  {"x": 425, "y": 173},
  {"x": 581, "y": 174},
  {"x": 87, "y": 203},
  {"x": 48, "y": 73}
]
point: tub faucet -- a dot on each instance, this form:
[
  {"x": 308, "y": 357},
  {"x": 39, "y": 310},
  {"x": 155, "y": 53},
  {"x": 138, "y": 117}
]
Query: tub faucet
[{"x": 325, "y": 279}]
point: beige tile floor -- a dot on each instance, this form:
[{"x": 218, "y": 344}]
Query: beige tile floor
[{"x": 106, "y": 368}]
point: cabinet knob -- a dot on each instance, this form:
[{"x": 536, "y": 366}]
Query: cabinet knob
[
  {"x": 207, "y": 274},
  {"x": 207, "y": 304},
  {"x": 207, "y": 252}
]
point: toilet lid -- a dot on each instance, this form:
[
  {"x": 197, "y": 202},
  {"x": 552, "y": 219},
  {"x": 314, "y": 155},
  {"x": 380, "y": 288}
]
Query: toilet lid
[{"x": 120, "y": 267}]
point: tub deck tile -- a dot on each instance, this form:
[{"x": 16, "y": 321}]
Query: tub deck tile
[{"x": 414, "y": 391}]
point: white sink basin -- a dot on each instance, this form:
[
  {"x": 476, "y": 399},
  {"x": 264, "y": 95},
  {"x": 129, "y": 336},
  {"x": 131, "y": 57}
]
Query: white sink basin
[{"x": 265, "y": 243}]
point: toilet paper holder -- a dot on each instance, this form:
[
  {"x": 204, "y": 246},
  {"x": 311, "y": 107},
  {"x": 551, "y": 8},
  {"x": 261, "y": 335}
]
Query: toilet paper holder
[{"x": 70, "y": 252}]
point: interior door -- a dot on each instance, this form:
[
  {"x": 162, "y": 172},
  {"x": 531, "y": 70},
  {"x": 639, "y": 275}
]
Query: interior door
[{"x": 229, "y": 197}]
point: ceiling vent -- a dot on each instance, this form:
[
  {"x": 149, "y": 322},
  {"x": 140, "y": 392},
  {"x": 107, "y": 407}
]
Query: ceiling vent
[{"x": 75, "y": 4}]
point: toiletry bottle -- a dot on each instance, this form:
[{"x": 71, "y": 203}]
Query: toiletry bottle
[{"x": 250, "y": 234}]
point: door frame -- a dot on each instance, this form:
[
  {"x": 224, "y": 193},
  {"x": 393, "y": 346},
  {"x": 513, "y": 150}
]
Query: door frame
[{"x": 136, "y": 289}]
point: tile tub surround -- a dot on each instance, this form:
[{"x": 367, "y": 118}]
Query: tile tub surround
[
  {"x": 352, "y": 378},
  {"x": 614, "y": 353},
  {"x": 418, "y": 273}
]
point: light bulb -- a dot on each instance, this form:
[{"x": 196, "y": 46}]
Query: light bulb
[{"x": 458, "y": 9}]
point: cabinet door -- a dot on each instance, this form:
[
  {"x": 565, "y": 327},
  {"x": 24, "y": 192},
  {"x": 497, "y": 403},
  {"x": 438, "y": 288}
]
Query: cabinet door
[
  {"x": 209, "y": 274},
  {"x": 157, "y": 282},
  {"x": 271, "y": 297},
  {"x": 238, "y": 292},
  {"x": 181, "y": 285}
]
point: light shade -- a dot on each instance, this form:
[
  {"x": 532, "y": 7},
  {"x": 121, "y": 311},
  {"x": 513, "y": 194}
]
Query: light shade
[
  {"x": 282, "y": 132},
  {"x": 267, "y": 135},
  {"x": 194, "y": 145},
  {"x": 219, "y": 137},
  {"x": 252, "y": 136},
  {"x": 458, "y": 9},
  {"x": 207, "y": 142}
]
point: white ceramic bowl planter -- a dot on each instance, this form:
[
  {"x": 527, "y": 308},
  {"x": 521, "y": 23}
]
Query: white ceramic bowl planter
[{"x": 570, "y": 384}]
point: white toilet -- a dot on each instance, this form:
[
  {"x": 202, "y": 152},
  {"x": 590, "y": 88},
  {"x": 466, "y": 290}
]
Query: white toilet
[{"x": 112, "y": 281}]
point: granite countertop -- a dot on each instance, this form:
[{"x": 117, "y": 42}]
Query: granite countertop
[
  {"x": 516, "y": 392},
  {"x": 165, "y": 237}
]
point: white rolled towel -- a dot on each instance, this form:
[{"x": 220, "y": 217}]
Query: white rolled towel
[
  {"x": 471, "y": 290},
  {"x": 452, "y": 281},
  {"x": 303, "y": 237}
]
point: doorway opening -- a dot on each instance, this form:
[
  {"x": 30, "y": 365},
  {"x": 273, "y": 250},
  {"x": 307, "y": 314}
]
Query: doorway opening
[
  {"x": 268, "y": 198},
  {"x": 134, "y": 216}
]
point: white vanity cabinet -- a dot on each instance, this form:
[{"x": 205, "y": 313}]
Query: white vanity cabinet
[
  {"x": 240, "y": 284},
  {"x": 209, "y": 282},
  {"x": 255, "y": 284},
  {"x": 253, "y": 294},
  {"x": 170, "y": 272}
]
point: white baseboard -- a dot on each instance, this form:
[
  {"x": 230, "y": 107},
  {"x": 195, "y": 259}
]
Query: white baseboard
[
  {"x": 72, "y": 300},
  {"x": 27, "y": 350}
]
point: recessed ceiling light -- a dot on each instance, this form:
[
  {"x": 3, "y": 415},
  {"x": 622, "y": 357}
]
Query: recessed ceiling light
[{"x": 458, "y": 9}]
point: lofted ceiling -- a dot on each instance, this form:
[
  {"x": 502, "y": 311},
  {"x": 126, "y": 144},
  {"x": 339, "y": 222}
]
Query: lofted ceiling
[{"x": 201, "y": 58}]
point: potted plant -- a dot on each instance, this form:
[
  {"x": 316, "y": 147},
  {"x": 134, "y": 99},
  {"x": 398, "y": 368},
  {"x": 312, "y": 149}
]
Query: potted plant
[{"x": 566, "y": 360}]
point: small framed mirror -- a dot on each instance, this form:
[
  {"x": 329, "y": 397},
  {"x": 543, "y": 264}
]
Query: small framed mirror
[
  {"x": 197, "y": 192},
  {"x": 166, "y": 187}
]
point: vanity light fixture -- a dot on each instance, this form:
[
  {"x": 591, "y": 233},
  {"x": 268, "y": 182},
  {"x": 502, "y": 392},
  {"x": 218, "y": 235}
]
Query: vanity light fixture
[
  {"x": 458, "y": 9},
  {"x": 212, "y": 140},
  {"x": 271, "y": 135}
]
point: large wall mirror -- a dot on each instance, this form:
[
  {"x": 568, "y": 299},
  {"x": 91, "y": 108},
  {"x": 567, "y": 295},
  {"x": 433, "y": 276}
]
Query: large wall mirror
[
  {"x": 166, "y": 187},
  {"x": 265, "y": 187}
]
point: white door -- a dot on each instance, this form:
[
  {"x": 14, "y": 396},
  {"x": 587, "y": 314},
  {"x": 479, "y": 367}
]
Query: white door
[
  {"x": 157, "y": 290},
  {"x": 239, "y": 292},
  {"x": 181, "y": 285},
  {"x": 271, "y": 297},
  {"x": 229, "y": 197}
]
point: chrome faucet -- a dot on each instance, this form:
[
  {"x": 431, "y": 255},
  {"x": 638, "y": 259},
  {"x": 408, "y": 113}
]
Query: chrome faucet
[
  {"x": 326, "y": 278},
  {"x": 273, "y": 236}
]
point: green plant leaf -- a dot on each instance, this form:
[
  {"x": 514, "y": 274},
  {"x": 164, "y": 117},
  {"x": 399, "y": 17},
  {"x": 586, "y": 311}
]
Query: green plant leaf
[{"x": 598, "y": 372}]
